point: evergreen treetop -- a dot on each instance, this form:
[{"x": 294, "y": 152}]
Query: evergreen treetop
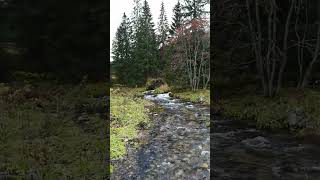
[
  {"x": 177, "y": 18},
  {"x": 163, "y": 26}
]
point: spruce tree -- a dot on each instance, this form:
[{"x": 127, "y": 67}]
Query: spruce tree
[
  {"x": 194, "y": 9},
  {"x": 136, "y": 15},
  {"x": 146, "y": 56},
  {"x": 163, "y": 26},
  {"x": 177, "y": 18},
  {"x": 122, "y": 53}
]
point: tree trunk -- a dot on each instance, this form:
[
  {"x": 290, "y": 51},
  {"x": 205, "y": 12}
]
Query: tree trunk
[
  {"x": 301, "y": 45},
  {"x": 314, "y": 59},
  {"x": 256, "y": 43},
  {"x": 285, "y": 46}
]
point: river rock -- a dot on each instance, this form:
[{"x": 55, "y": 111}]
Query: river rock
[
  {"x": 204, "y": 153},
  {"x": 197, "y": 114},
  {"x": 181, "y": 131},
  {"x": 179, "y": 173},
  {"x": 296, "y": 119},
  {"x": 257, "y": 142},
  {"x": 205, "y": 165},
  {"x": 149, "y": 92}
]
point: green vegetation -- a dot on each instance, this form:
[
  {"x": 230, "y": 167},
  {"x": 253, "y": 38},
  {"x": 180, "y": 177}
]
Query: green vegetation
[
  {"x": 51, "y": 128},
  {"x": 141, "y": 52},
  {"x": 200, "y": 96},
  {"x": 263, "y": 71},
  {"x": 272, "y": 113},
  {"x": 128, "y": 114},
  {"x": 135, "y": 48},
  {"x": 53, "y": 131},
  {"x": 145, "y": 56}
]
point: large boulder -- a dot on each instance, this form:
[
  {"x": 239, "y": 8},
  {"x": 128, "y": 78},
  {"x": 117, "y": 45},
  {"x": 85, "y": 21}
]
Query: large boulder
[{"x": 154, "y": 83}]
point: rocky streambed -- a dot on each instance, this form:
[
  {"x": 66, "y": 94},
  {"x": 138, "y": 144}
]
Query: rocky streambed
[
  {"x": 176, "y": 147},
  {"x": 242, "y": 152}
]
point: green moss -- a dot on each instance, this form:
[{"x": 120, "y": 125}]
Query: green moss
[
  {"x": 127, "y": 112},
  {"x": 111, "y": 168},
  {"x": 117, "y": 146},
  {"x": 199, "y": 96}
]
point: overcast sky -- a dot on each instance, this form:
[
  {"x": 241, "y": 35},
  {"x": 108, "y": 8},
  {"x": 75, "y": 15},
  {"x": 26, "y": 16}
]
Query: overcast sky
[{"x": 118, "y": 7}]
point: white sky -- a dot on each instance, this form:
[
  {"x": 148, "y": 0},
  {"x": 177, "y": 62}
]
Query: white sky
[{"x": 118, "y": 7}]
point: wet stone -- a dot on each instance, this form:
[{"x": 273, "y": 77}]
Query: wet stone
[{"x": 257, "y": 142}]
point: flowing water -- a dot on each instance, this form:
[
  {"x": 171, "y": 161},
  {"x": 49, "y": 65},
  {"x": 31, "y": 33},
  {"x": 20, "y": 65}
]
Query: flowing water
[
  {"x": 241, "y": 152},
  {"x": 177, "y": 147}
]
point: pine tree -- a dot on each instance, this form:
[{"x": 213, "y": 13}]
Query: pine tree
[
  {"x": 163, "y": 26},
  {"x": 177, "y": 18},
  {"x": 194, "y": 9},
  {"x": 122, "y": 53}
]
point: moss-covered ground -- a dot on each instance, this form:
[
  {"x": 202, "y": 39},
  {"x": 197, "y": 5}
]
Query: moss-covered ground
[
  {"x": 199, "y": 96},
  {"x": 272, "y": 113},
  {"x": 129, "y": 113}
]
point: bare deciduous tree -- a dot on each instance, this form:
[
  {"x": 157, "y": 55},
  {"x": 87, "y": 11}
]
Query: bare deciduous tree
[
  {"x": 265, "y": 45},
  {"x": 194, "y": 40}
]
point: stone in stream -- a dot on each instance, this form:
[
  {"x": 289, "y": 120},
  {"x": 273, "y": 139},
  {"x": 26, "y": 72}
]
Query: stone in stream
[
  {"x": 181, "y": 131},
  {"x": 205, "y": 153},
  {"x": 205, "y": 166},
  {"x": 180, "y": 173},
  {"x": 257, "y": 142},
  {"x": 197, "y": 114}
]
